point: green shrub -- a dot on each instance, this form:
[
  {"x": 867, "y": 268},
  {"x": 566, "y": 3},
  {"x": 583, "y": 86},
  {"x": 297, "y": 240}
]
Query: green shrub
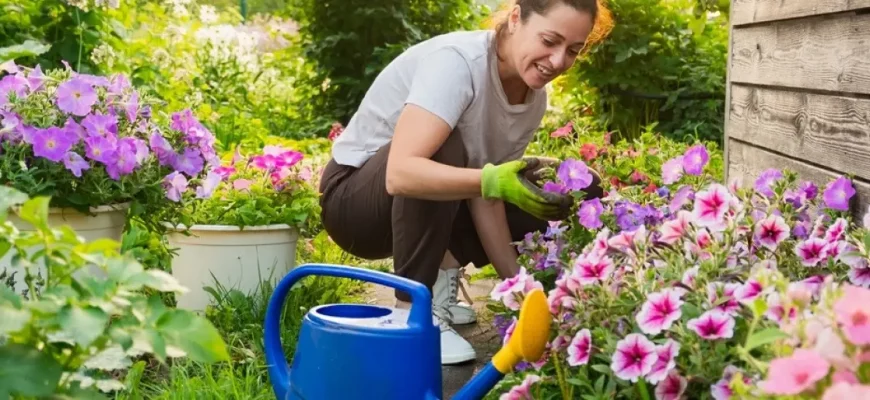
[
  {"x": 659, "y": 64},
  {"x": 352, "y": 40},
  {"x": 45, "y": 32}
]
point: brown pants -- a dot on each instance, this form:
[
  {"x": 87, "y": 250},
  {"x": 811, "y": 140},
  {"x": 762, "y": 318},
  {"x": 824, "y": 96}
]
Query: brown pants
[{"x": 364, "y": 220}]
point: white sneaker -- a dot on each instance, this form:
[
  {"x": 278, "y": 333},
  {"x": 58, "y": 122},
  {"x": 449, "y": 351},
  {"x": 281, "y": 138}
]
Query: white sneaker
[
  {"x": 444, "y": 296},
  {"x": 454, "y": 348}
]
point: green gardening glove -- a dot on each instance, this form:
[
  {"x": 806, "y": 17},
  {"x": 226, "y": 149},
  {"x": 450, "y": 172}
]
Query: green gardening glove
[{"x": 507, "y": 182}]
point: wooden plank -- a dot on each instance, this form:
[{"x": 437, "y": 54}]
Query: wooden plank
[
  {"x": 747, "y": 162},
  {"x": 833, "y": 131},
  {"x": 831, "y": 54},
  {"x": 727, "y": 97},
  {"x": 751, "y": 11}
]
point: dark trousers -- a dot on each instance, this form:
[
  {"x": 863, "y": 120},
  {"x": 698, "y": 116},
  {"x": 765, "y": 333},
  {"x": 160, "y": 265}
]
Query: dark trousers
[{"x": 366, "y": 221}]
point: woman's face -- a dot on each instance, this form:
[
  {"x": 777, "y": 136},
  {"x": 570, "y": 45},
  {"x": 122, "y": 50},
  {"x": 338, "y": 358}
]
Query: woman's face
[{"x": 547, "y": 45}]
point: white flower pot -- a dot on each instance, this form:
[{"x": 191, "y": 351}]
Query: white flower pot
[
  {"x": 238, "y": 258},
  {"x": 106, "y": 223}
]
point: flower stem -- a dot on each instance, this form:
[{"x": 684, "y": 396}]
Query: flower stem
[
  {"x": 561, "y": 376},
  {"x": 642, "y": 389}
]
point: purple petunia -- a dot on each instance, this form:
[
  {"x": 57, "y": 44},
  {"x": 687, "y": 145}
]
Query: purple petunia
[
  {"x": 101, "y": 149},
  {"x": 189, "y": 162},
  {"x": 695, "y": 159},
  {"x": 175, "y": 185},
  {"x": 162, "y": 149},
  {"x": 838, "y": 193},
  {"x": 124, "y": 162},
  {"x": 101, "y": 125},
  {"x": 76, "y": 96},
  {"x": 574, "y": 174},
  {"x": 52, "y": 143},
  {"x": 766, "y": 180},
  {"x": 75, "y": 163},
  {"x": 590, "y": 214},
  {"x": 12, "y": 84},
  {"x": 553, "y": 187}
]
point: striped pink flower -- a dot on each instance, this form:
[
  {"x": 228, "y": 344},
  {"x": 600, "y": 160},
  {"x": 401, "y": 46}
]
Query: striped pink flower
[
  {"x": 580, "y": 347},
  {"x": 712, "y": 325},
  {"x": 634, "y": 357},
  {"x": 659, "y": 312}
]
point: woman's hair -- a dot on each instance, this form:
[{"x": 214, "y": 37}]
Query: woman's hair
[{"x": 601, "y": 16}]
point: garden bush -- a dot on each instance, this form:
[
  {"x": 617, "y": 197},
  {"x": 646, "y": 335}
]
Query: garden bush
[
  {"x": 351, "y": 41},
  {"x": 691, "y": 289},
  {"x": 46, "y": 32},
  {"x": 96, "y": 311},
  {"x": 680, "y": 83},
  {"x": 239, "y": 77}
]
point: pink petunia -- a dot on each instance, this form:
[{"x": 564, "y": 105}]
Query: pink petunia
[
  {"x": 860, "y": 276},
  {"x": 749, "y": 291},
  {"x": 627, "y": 241},
  {"x": 589, "y": 269},
  {"x": 684, "y": 195},
  {"x": 560, "y": 343},
  {"x": 563, "y": 131},
  {"x": 721, "y": 390},
  {"x": 711, "y": 205},
  {"x": 666, "y": 361},
  {"x": 772, "y": 231},
  {"x": 796, "y": 373},
  {"x": 672, "y": 387},
  {"x": 634, "y": 357},
  {"x": 713, "y": 324},
  {"x": 523, "y": 391},
  {"x": 811, "y": 251},
  {"x": 672, "y": 170},
  {"x": 689, "y": 276},
  {"x": 675, "y": 229},
  {"x": 836, "y": 231},
  {"x": 659, "y": 312},
  {"x": 846, "y": 390},
  {"x": 717, "y": 292},
  {"x": 853, "y": 312},
  {"x": 694, "y": 159},
  {"x": 580, "y": 347}
]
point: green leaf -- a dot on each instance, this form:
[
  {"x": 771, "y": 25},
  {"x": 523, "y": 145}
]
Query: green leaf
[
  {"x": 84, "y": 324},
  {"x": 13, "y": 319},
  {"x": 35, "y": 211},
  {"x": 105, "y": 246},
  {"x": 193, "y": 334},
  {"x": 158, "y": 280},
  {"x": 10, "y": 197},
  {"x": 27, "y": 49},
  {"x": 766, "y": 336},
  {"x": 601, "y": 368},
  {"x": 867, "y": 241},
  {"x": 123, "y": 270},
  {"x": 577, "y": 382},
  {"x": 25, "y": 371}
]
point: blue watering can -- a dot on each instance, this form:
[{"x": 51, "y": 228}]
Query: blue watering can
[{"x": 361, "y": 351}]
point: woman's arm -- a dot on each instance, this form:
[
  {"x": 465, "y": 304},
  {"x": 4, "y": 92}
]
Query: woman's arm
[
  {"x": 491, "y": 223},
  {"x": 411, "y": 172}
]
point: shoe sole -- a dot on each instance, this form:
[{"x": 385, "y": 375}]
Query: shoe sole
[{"x": 448, "y": 359}]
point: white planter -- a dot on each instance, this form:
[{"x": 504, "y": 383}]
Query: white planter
[
  {"x": 238, "y": 258},
  {"x": 106, "y": 223}
]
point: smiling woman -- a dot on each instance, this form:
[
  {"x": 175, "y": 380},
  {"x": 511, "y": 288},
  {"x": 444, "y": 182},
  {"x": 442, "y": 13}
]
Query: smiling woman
[{"x": 429, "y": 170}]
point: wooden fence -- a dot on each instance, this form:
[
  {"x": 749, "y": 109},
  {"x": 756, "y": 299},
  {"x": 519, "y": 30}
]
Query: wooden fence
[{"x": 798, "y": 93}]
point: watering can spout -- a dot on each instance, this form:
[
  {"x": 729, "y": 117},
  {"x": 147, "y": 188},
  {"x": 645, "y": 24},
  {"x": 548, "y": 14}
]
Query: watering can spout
[{"x": 527, "y": 342}]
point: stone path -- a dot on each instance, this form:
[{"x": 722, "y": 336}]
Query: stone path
[{"x": 482, "y": 335}]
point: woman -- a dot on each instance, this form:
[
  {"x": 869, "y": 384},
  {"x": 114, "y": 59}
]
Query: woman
[{"x": 429, "y": 169}]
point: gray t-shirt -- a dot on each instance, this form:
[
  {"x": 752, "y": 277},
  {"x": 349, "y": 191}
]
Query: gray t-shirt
[{"x": 454, "y": 76}]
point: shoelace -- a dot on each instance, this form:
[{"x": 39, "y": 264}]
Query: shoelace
[{"x": 457, "y": 283}]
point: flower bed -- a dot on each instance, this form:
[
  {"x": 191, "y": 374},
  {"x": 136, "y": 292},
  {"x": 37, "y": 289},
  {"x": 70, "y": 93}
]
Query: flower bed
[{"x": 689, "y": 290}]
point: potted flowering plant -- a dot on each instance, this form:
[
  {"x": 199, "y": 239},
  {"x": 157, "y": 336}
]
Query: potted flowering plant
[
  {"x": 95, "y": 146},
  {"x": 689, "y": 291},
  {"x": 242, "y": 222}
]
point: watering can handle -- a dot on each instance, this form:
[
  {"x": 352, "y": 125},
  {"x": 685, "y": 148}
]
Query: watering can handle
[{"x": 279, "y": 371}]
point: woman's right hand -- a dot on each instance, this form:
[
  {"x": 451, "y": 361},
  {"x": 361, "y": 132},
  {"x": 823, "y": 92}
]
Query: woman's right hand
[{"x": 507, "y": 182}]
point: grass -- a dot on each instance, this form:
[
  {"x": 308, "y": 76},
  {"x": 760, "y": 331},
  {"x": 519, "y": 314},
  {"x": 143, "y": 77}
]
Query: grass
[{"x": 239, "y": 318}]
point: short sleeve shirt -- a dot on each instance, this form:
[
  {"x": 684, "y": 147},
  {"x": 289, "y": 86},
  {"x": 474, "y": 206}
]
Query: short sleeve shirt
[{"x": 454, "y": 76}]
